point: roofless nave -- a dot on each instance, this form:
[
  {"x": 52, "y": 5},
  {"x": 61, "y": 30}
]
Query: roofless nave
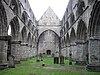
[{"x": 77, "y": 34}]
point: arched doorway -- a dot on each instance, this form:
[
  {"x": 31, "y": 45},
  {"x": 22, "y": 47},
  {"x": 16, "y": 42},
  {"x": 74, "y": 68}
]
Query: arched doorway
[
  {"x": 15, "y": 44},
  {"x": 73, "y": 44},
  {"x": 48, "y": 42},
  {"x": 81, "y": 43},
  {"x": 94, "y": 38},
  {"x": 48, "y": 52}
]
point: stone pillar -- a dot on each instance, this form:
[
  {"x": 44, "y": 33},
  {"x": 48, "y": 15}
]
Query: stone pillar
[
  {"x": 67, "y": 52},
  {"x": 73, "y": 51},
  {"x": 15, "y": 51},
  {"x": 81, "y": 53},
  {"x": 30, "y": 51},
  {"x": 94, "y": 54},
  {"x": 24, "y": 48},
  {"x": 33, "y": 51},
  {"x": 3, "y": 51}
]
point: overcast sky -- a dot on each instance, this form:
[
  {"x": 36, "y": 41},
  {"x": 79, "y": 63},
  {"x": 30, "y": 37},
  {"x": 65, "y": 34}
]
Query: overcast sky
[{"x": 40, "y": 6}]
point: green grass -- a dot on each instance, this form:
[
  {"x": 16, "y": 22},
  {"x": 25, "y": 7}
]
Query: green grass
[
  {"x": 41, "y": 71},
  {"x": 32, "y": 62}
]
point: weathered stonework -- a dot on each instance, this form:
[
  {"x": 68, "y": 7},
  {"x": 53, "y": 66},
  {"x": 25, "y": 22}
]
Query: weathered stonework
[
  {"x": 76, "y": 36},
  {"x": 16, "y": 15},
  {"x": 81, "y": 24},
  {"x": 48, "y": 32}
]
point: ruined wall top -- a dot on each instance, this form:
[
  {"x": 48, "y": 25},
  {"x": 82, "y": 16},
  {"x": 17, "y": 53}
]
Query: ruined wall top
[{"x": 49, "y": 18}]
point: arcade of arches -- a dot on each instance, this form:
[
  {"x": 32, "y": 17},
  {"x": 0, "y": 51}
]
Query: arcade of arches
[{"x": 77, "y": 34}]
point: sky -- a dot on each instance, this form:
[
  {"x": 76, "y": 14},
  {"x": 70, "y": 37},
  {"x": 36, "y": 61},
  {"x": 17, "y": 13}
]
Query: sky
[{"x": 40, "y": 6}]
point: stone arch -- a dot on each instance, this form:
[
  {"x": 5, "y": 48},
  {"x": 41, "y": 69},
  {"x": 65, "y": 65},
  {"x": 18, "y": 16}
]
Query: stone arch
[
  {"x": 72, "y": 36},
  {"x": 25, "y": 17},
  {"x": 67, "y": 40},
  {"x": 30, "y": 24},
  {"x": 52, "y": 29},
  {"x": 3, "y": 21},
  {"x": 3, "y": 33},
  {"x": 80, "y": 7},
  {"x": 48, "y": 40},
  {"x": 82, "y": 49},
  {"x": 72, "y": 50},
  {"x": 81, "y": 31},
  {"x": 29, "y": 40},
  {"x": 15, "y": 45},
  {"x": 24, "y": 34},
  {"x": 15, "y": 6},
  {"x": 94, "y": 36},
  {"x": 67, "y": 25},
  {"x": 15, "y": 28},
  {"x": 94, "y": 22},
  {"x": 72, "y": 18}
]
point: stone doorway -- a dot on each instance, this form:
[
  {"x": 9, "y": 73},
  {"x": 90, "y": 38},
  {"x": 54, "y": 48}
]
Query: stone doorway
[{"x": 48, "y": 52}]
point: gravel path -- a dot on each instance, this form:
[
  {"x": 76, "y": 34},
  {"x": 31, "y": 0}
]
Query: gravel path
[{"x": 55, "y": 67}]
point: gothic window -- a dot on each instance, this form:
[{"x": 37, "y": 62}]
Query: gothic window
[
  {"x": 15, "y": 27},
  {"x": 30, "y": 24},
  {"x": 3, "y": 20},
  {"x": 72, "y": 36},
  {"x": 81, "y": 31},
  {"x": 67, "y": 25},
  {"x": 94, "y": 23},
  {"x": 14, "y": 6},
  {"x": 72, "y": 18},
  {"x": 24, "y": 17},
  {"x": 80, "y": 7}
]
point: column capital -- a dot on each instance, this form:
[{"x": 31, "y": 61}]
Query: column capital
[
  {"x": 5, "y": 38},
  {"x": 15, "y": 42},
  {"x": 94, "y": 38},
  {"x": 24, "y": 44},
  {"x": 72, "y": 44}
]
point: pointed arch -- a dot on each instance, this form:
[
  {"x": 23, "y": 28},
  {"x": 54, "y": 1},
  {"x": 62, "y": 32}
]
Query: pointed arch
[
  {"x": 15, "y": 6},
  {"x": 24, "y": 34},
  {"x": 72, "y": 36},
  {"x": 81, "y": 31},
  {"x": 29, "y": 40},
  {"x": 67, "y": 40},
  {"x": 72, "y": 18},
  {"x": 3, "y": 21},
  {"x": 94, "y": 22},
  {"x": 30, "y": 24},
  {"x": 25, "y": 17},
  {"x": 67, "y": 25},
  {"x": 48, "y": 40},
  {"x": 15, "y": 28},
  {"x": 80, "y": 7}
]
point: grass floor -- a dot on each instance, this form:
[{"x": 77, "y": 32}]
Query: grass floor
[{"x": 33, "y": 70}]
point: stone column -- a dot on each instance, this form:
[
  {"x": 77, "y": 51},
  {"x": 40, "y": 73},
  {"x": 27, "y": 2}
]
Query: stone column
[
  {"x": 94, "y": 54},
  {"x": 15, "y": 51},
  {"x": 81, "y": 53},
  {"x": 67, "y": 52},
  {"x": 3, "y": 51},
  {"x": 73, "y": 51},
  {"x": 30, "y": 51},
  {"x": 24, "y": 48}
]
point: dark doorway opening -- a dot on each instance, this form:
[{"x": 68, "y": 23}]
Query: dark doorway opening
[{"x": 48, "y": 52}]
